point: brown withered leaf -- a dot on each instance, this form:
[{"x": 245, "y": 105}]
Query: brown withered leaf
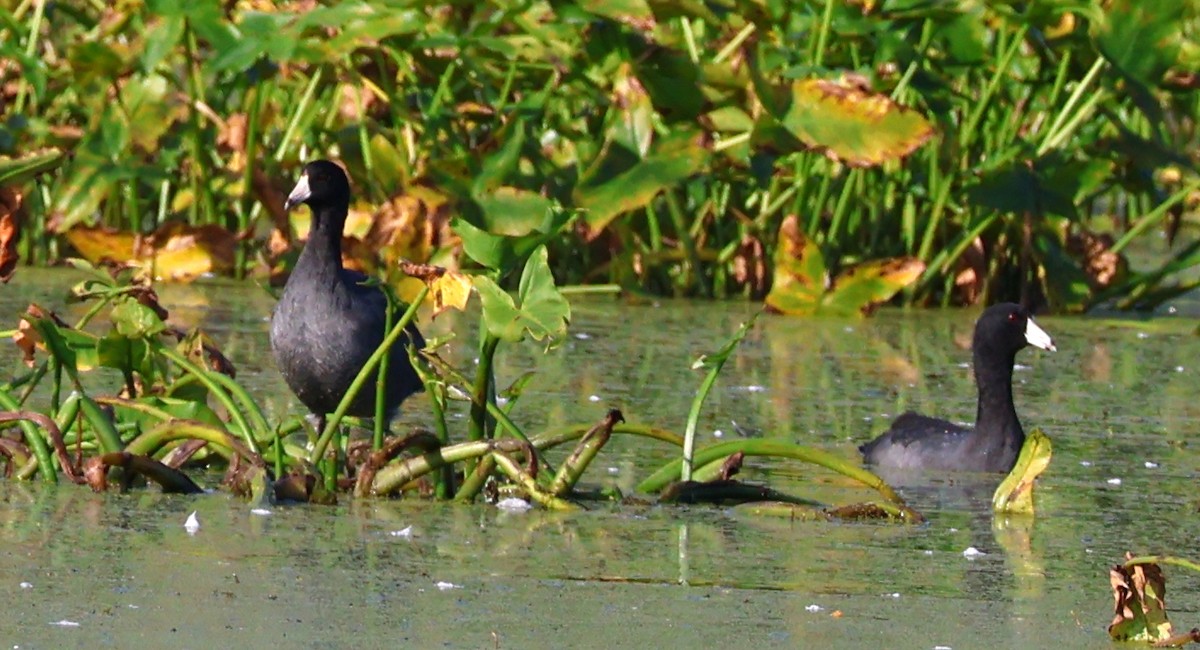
[
  {"x": 731, "y": 466},
  {"x": 410, "y": 226},
  {"x": 272, "y": 199},
  {"x": 27, "y": 338},
  {"x": 176, "y": 251},
  {"x": 972, "y": 270},
  {"x": 231, "y": 133},
  {"x": 750, "y": 266},
  {"x": 10, "y": 230},
  {"x": 1102, "y": 266},
  {"x": 448, "y": 289},
  {"x": 1140, "y": 610}
]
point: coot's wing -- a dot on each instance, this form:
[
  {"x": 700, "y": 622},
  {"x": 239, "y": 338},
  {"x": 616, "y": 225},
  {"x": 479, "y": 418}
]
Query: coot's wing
[{"x": 915, "y": 441}]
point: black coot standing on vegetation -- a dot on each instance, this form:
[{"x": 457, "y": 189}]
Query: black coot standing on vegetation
[
  {"x": 919, "y": 442},
  {"x": 327, "y": 322}
]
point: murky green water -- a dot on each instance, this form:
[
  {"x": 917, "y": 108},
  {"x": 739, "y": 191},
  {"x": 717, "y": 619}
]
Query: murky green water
[{"x": 1118, "y": 400}]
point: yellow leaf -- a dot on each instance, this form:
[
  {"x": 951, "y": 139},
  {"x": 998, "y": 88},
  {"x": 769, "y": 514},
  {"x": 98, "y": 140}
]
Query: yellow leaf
[
  {"x": 450, "y": 291},
  {"x": 1015, "y": 494}
]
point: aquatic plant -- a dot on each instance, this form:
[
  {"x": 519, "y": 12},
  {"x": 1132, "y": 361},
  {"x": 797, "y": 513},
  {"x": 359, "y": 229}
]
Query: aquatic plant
[
  {"x": 1140, "y": 592},
  {"x": 178, "y": 405},
  {"x": 944, "y": 153}
]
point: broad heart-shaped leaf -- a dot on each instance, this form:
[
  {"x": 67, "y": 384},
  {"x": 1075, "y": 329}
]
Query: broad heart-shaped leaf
[
  {"x": 631, "y": 115},
  {"x": 1142, "y": 38},
  {"x": 800, "y": 275},
  {"x": 542, "y": 311},
  {"x": 134, "y": 320},
  {"x": 1018, "y": 188},
  {"x": 851, "y": 125},
  {"x": 862, "y": 287},
  {"x": 1015, "y": 493},
  {"x": 608, "y": 190},
  {"x": 502, "y": 252}
]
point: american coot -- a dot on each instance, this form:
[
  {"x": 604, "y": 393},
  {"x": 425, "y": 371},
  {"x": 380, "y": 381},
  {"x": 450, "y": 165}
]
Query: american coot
[
  {"x": 920, "y": 442},
  {"x": 327, "y": 323}
]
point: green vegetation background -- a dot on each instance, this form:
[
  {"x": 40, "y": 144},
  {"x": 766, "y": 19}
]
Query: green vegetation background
[{"x": 821, "y": 155}]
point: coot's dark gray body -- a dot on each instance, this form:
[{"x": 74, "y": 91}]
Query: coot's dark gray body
[
  {"x": 327, "y": 323},
  {"x": 919, "y": 442}
]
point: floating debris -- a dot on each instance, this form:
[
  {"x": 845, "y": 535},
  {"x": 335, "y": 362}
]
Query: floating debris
[
  {"x": 261, "y": 512},
  {"x": 65, "y": 623},
  {"x": 813, "y": 608},
  {"x": 513, "y": 504},
  {"x": 406, "y": 532},
  {"x": 192, "y": 524},
  {"x": 1151, "y": 465},
  {"x": 1113, "y": 481},
  {"x": 27, "y": 585},
  {"x": 973, "y": 552},
  {"x": 594, "y": 398},
  {"x": 445, "y": 586}
]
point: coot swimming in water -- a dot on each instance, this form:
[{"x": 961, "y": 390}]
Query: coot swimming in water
[{"x": 920, "y": 442}]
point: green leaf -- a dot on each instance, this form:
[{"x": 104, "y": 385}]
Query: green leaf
[
  {"x": 802, "y": 286},
  {"x": 861, "y": 287},
  {"x": 497, "y": 167},
  {"x": 502, "y": 252},
  {"x": 672, "y": 159},
  {"x": 852, "y": 125},
  {"x": 543, "y": 312},
  {"x": 14, "y": 171},
  {"x": 135, "y": 320},
  {"x": 1142, "y": 38},
  {"x": 1015, "y": 493},
  {"x": 1066, "y": 284}
]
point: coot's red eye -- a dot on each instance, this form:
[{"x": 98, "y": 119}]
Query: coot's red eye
[{"x": 1013, "y": 316}]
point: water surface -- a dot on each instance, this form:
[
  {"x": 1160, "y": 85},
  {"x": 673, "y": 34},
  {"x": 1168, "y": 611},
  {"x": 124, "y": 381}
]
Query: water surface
[{"x": 1117, "y": 400}]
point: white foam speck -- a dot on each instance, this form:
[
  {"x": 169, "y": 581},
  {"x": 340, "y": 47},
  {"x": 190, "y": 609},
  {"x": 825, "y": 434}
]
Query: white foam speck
[
  {"x": 406, "y": 532},
  {"x": 192, "y": 524},
  {"x": 973, "y": 552},
  {"x": 594, "y": 398},
  {"x": 583, "y": 336},
  {"x": 1085, "y": 463},
  {"x": 65, "y": 623},
  {"x": 444, "y": 586},
  {"x": 718, "y": 433},
  {"x": 614, "y": 470},
  {"x": 261, "y": 512},
  {"x": 1178, "y": 368},
  {"x": 513, "y": 504},
  {"x": 1113, "y": 481},
  {"x": 1151, "y": 465},
  {"x": 813, "y": 608},
  {"x": 27, "y": 585},
  {"x": 1143, "y": 335}
]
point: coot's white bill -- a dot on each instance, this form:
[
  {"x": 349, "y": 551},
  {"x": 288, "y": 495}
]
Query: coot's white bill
[
  {"x": 1038, "y": 337},
  {"x": 299, "y": 194}
]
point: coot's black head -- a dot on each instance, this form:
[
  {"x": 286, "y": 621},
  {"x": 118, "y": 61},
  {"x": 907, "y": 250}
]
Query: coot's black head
[
  {"x": 1008, "y": 327},
  {"x": 322, "y": 184}
]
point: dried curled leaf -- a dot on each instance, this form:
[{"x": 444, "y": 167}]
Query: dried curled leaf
[
  {"x": 10, "y": 203},
  {"x": 1140, "y": 607},
  {"x": 447, "y": 289}
]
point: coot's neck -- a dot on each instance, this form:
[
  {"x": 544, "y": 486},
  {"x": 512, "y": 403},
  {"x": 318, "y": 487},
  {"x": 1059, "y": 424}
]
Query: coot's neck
[
  {"x": 322, "y": 253},
  {"x": 996, "y": 417}
]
